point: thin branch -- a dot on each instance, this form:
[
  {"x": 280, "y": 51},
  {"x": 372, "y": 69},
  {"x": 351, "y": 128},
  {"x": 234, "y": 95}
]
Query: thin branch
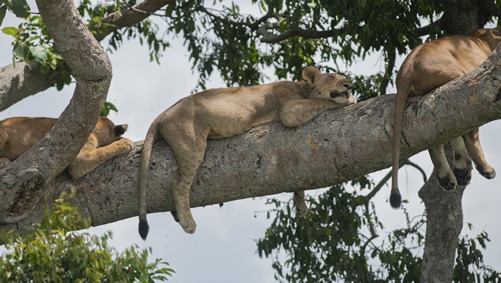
[
  {"x": 130, "y": 17},
  {"x": 408, "y": 162},
  {"x": 388, "y": 71},
  {"x": 429, "y": 28},
  {"x": 493, "y": 8}
]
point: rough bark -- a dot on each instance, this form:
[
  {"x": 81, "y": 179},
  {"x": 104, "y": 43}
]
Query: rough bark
[
  {"x": 336, "y": 146},
  {"x": 23, "y": 181},
  {"x": 444, "y": 222}
]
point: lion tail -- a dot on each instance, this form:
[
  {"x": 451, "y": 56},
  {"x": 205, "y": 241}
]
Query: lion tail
[
  {"x": 143, "y": 178},
  {"x": 398, "y": 116}
]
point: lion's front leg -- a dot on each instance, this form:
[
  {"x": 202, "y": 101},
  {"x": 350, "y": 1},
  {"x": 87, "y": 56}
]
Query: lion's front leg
[
  {"x": 472, "y": 143},
  {"x": 298, "y": 112},
  {"x": 88, "y": 159}
]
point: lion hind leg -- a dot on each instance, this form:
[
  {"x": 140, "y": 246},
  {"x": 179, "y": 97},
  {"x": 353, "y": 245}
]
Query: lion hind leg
[
  {"x": 446, "y": 178},
  {"x": 189, "y": 153},
  {"x": 472, "y": 143},
  {"x": 462, "y": 162},
  {"x": 88, "y": 159}
]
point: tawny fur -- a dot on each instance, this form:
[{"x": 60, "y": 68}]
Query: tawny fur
[
  {"x": 225, "y": 112},
  {"x": 18, "y": 134},
  {"x": 427, "y": 67}
]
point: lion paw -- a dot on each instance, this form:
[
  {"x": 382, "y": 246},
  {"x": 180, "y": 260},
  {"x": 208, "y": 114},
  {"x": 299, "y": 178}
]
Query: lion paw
[
  {"x": 4, "y": 162},
  {"x": 187, "y": 223},
  {"x": 488, "y": 174},
  {"x": 447, "y": 183},
  {"x": 463, "y": 176},
  {"x": 126, "y": 144}
]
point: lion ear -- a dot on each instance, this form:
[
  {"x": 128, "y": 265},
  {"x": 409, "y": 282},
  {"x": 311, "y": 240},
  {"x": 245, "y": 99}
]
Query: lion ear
[
  {"x": 120, "y": 129},
  {"x": 310, "y": 74}
]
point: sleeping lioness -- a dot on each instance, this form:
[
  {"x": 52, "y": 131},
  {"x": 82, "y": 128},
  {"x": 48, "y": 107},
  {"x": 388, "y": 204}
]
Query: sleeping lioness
[
  {"x": 225, "y": 112},
  {"x": 18, "y": 134},
  {"x": 427, "y": 67}
]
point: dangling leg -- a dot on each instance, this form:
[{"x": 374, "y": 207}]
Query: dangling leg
[
  {"x": 446, "y": 178},
  {"x": 462, "y": 162},
  {"x": 189, "y": 153},
  {"x": 472, "y": 143}
]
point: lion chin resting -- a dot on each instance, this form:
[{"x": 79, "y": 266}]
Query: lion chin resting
[
  {"x": 427, "y": 67},
  {"x": 18, "y": 134},
  {"x": 225, "y": 112}
]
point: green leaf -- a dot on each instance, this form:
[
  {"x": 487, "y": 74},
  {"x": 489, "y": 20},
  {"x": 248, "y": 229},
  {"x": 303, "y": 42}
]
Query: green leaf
[
  {"x": 44, "y": 69},
  {"x": 107, "y": 107},
  {"x": 39, "y": 53},
  {"x": 20, "y": 51},
  {"x": 20, "y": 8},
  {"x": 9, "y": 30}
]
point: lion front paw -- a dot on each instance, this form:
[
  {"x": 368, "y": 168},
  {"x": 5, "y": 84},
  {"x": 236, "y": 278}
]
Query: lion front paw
[
  {"x": 488, "y": 173},
  {"x": 4, "y": 162},
  {"x": 126, "y": 144},
  {"x": 463, "y": 176}
]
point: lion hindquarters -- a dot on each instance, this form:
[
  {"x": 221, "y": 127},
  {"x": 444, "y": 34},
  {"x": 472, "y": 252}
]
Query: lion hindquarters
[{"x": 90, "y": 158}]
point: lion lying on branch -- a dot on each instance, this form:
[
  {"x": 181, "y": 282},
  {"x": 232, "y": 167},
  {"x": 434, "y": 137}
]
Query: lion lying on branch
[{"x": 226, "y": 112}]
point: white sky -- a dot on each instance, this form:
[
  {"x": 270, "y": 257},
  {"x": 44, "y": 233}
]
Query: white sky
[{"x": 223, "y": 248}]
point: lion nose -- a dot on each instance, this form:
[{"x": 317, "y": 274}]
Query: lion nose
[{"x": 348, "y": 86}]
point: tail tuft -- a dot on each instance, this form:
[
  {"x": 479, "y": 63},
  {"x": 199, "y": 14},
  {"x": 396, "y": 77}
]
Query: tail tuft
[
  {"x": 395, "y": 199},
  {"x": 144, "y": 228}
]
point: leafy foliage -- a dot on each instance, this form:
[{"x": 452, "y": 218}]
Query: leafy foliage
[
  {"x": 332, "y": 243},
  {"x": 146, "y": 31},
  {"x": 470, "y": 265},
  {"x": 52, "y": 253},
  {"x": 33, "y": 43},
  {"x": 338, "y": 241},
  {"x": 287, "y": 35}
]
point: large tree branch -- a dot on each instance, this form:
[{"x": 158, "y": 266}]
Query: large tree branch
[
  {"x": 23, "y": 181},
  {"x": 20, "y": 80},
  {"x": 337, "y": 146}
]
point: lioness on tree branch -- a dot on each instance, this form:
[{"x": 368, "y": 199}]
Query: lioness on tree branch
[
  {"x": 225, "y": 112},
  {"x": 427, "y": 67},
  {"x": 18, "y": 134}
]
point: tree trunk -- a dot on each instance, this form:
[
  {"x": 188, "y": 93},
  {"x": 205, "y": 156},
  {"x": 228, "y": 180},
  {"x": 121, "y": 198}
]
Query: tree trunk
[
  {"x": 444, "y": 221},
  {"x": 23, "y": 182}
]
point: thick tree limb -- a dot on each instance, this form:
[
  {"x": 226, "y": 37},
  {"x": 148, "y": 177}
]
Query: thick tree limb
[
  {"x": 335, "y": 147},
  {"x": 23, "y": 181}
]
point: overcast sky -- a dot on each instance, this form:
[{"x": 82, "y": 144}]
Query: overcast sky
[{"x": 223, "y": 248}]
